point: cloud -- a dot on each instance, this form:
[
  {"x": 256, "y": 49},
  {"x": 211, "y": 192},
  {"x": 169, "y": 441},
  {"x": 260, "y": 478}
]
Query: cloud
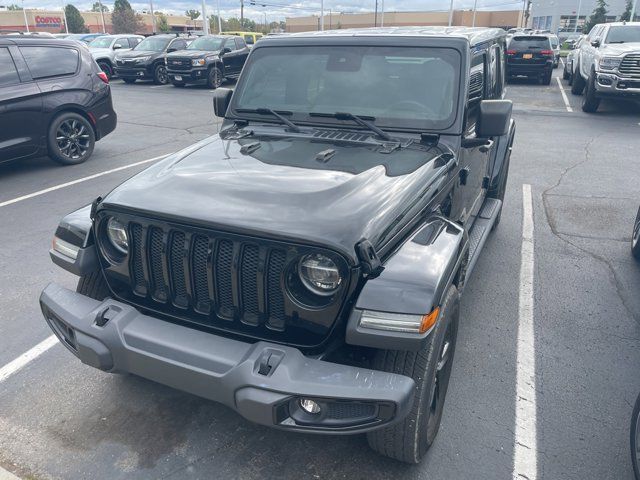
[{"x": 280, "y": 9}]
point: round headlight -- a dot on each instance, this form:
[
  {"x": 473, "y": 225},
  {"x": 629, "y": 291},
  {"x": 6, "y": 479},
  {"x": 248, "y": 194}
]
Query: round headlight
[
  {"x": 117, "y": 233},
  {"x": 319, "y": 274}
]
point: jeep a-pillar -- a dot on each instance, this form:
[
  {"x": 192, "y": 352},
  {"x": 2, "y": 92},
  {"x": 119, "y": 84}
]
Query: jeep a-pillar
[{"x": 304, "y": 266}]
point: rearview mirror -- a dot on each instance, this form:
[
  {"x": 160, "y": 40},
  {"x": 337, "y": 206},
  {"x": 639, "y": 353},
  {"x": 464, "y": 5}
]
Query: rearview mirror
[
  {"x": 221, "y": 100},
  {"x": 494, "y": 118}
]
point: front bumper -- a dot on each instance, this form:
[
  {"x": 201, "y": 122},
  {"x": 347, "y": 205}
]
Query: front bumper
[
  {"x": 264, "y": 382},
  {"x": 194, "y": 75},
  {"x": 133, "y": 71},
  {"x": 611, "y": 84}
]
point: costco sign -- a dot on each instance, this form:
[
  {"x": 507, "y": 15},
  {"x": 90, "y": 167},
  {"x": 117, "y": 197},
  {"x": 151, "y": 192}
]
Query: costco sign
[{"x": 48, "y": 21}]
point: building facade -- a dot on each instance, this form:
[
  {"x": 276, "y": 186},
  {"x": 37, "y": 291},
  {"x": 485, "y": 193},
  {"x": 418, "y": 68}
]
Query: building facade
[
  {"x": 504, "y": 19},
  {"x": 565, "y": 17},
  {"x": 52, "y": 21}
]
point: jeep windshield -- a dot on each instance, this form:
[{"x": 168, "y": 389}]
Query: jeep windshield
[
  {"x": 211, "y": 44},
  {"x": 151, "y": 44},
  {"x": 399, "y": 87},
  {"x": 626, "y": 34}
]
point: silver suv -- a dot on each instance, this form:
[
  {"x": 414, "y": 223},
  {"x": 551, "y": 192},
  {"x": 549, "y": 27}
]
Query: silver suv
[
  {"x": 608, "y": 64},
  {"x": 104, "y": 49}
]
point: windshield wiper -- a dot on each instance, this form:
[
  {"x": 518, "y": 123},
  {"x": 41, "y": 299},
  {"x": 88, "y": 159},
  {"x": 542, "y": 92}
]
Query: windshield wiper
[
  {"x": 278, "y": 115},
  {"x": 360, "y": 120}
]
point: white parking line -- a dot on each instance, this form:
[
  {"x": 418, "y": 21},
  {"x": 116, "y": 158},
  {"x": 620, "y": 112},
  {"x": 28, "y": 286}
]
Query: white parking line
[
  {"x": 564, "y": 95},
  {"x": 525, "y": 464},
  {"x": 6, "y": 475},
  {"x": 17, "y": 364},
  {"x": 562, "y": 62},
  {"x": 79, "y": 180}
]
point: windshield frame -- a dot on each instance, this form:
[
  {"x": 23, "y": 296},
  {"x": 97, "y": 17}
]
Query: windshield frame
[
  {"x": 453, "y": 124},
  {"x": 621, "y": 27},
  {"x": 207, "y": 37},
  {"x": 167, "y": 41}
]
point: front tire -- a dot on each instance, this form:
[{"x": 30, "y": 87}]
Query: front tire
[
  {"x": 214, "y": 79},
  {"x": 430, "y": 368},
  {"x": 70, "y": 139},
  {"x": 590, "y": 102},
  {"x": 635, "y": 238},
  {"x": 160, "y": 76},
  {"x": 129, "y": 80}
]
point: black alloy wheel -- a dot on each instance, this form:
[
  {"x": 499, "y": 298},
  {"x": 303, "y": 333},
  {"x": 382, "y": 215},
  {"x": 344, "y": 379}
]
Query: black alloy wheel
[
  {"x": 160, "y": 76},
  {"x": 214, "y": 80},
  {"x": 71, "y": 139}
]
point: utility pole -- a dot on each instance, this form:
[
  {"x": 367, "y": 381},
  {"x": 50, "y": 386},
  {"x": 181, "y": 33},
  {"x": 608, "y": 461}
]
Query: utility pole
[
  {"x": 475, "y": 5},
  {"x": 242, "y": 14},
  {"x": 64, "y": 14},
  {"x": 451, "y": 13},
  {"x": 205, "y": 22},
  {"x": 375, "y": 16},
  {"x": 104, "y": 28},
  {"x": 578, "y": 15},
  {"x": 153, "y": 17},
  {"x": 633, "y": 11},
  {"x": 24, "y": 13},
  {"x": 321, "y": 15},
  {"x": 219, "y": 19}
]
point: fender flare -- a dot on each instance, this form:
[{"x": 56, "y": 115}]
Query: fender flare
[
  {"x": 76, "y": 229},
  {"x": 413, "y": 282}
]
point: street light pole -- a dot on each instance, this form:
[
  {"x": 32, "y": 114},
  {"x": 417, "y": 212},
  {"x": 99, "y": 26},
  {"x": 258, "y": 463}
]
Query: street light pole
[
  {"x": 153, "y": 17},
  {"x": 104, "y": 28},
  {"x": 24, "y": 13},
  {"x": 219, "y": 19},
  {"x": 375, "y": 16},
  {"x": 205, "y": 22},
  {"x": 475, "y": 4},
  {"x": 633, "y": 11},
  {"x": 578, "y": 15},
  {"x": 382, "y": 14},
  {"x": 64, "y": 14},
  {"x": 451, "y": 13},
  {"x": 321, "y": 15}
]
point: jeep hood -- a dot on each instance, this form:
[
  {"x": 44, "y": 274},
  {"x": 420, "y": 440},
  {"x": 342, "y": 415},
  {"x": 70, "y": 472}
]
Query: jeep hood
[{"x": 283, "y": 190}]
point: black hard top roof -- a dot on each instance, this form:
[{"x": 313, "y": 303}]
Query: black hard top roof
[{"x": 474, "y": 35}]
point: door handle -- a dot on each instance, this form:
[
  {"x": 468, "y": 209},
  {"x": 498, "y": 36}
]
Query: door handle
[{"x": 487, "y": 146}]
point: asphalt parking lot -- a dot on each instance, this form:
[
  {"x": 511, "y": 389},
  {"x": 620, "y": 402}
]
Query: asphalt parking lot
[{"x": 61, "y": 419}]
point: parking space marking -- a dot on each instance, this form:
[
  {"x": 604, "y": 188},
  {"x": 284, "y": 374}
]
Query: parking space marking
[
  {"x": 17, "y": 364},
  {"x": 562, "y": 62},
  {"x": 564, "y": 95},
  {"x": 79, "y": 180},
  {"x": 525, "y": 463}
]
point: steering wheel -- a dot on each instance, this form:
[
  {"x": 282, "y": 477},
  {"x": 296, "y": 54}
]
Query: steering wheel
[{"x": 412, "y": 105}]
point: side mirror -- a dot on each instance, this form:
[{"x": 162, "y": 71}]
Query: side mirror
[
  {"x": 225, "y": 50},
  {"x": 494, "y": 118},
  {"x": 171, "y": 49},
  {"x": 595, "y": 43},
  {"x": 117, "y": 47},
  {"x": 221, "y": 100}
]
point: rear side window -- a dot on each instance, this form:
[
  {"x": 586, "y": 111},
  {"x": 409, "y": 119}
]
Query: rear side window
[
  {"x": 44, "y": 62},
  {"x": 529, "y": 42},
  {"x": 8, "y": 72},
  {"x": 249, "y": 39}
]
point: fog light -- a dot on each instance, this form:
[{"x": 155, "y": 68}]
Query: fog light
[{"x": 309, "y": 405}]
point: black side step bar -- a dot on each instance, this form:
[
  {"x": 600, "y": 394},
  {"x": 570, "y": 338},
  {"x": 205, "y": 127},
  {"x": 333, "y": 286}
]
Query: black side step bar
[{"x": 481, "y": 229}]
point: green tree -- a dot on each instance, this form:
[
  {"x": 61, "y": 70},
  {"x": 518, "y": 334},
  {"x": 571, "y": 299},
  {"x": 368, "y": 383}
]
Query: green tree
[
  {"x": 96, "y": 7},
  {"x": 75, "y": 22},
  {"x": 14, "y": 7},
  {"x": 599, "y": 15},
  {"x": 213, "y": 24},
  {"x": 233, "y": 25},
  {"x": 192, "y": 14},
  {"x": 124, "y": 19},
  {"x": 162, "y": 23},
  {"x": 626, "y": 15}
]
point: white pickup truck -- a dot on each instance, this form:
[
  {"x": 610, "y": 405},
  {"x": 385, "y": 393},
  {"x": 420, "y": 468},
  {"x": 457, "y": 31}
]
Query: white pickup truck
[{"x": 608, "y": 64}]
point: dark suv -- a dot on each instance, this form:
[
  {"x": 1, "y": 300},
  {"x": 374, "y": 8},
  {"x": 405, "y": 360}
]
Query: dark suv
[
  {"x": 305, "y": 266},
  {"x": 54, "y": 100},
  {"x": 530, "y": 56},
  {"x": 209, "y": 60},
  {"x": 147, "y": 59}
]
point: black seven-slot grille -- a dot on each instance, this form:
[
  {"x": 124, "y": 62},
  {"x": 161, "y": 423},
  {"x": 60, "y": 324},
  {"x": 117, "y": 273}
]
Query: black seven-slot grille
[{"x": 219, "y": 280}]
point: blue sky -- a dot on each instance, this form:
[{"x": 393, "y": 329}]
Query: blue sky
[{"x": 279, "y": 9}]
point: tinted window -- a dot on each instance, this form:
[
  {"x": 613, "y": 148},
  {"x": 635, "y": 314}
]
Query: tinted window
[
  {"x": 101, "y": 42},
  {"x": 153, "y": 44},
  {"x": 399, "y": 86},
  {"x": 50, "y": 61},
  {"x": 179, "y": 45},
  {"x": 249, "y": 39},
  {"x": 133, "y": 41},
  {"x": 626, "y": 34},
  {"x": 240, "y": 43},
  {"x": 529, "y": 42},
  {"x": 206, "y": 43},
  {"x": 8, "y": 72},
  {"x": 122, "y": 43}
]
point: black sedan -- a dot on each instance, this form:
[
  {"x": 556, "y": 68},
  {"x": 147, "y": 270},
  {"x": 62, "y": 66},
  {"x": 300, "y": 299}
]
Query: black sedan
[{"x": 54, "y": 100}]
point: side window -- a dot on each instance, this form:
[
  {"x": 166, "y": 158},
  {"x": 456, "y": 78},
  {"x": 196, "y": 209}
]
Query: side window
[
  {"x": 248, "y": 39},
  {"x": 122, "y": 43},
  {"x": 179, "y": 45},
  {"x": 477, "y": 86},
  {"x": 44, "y": 62},
  {"x": 240, "y": 43},
  {"x": 8, "y": 72},
  {"x": 133, "y": 41}
]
